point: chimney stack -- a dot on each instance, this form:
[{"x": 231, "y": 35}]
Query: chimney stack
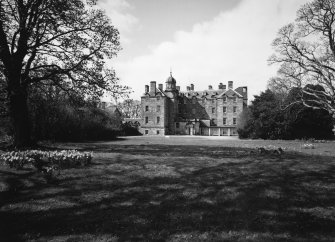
[
  {"x": 230, "y": 84},
  {"x": 153, "y": 87},
  {"x": 210, "y": 87},
  {"x": 160, "y": 87},
  {"x": 224, "y": 87},
  {"x": 220, "y": 86},
  {"x": 146, "y": 89},
  {"x": 188, "y": 88},
  {"x": 192, "y": 87}
]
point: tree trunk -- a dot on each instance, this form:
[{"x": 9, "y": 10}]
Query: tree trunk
[{"x": 20, "y": 118}]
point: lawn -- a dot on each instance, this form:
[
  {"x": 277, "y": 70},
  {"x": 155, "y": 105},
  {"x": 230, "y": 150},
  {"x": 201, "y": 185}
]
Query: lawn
[{"x": 176, "y": 189}]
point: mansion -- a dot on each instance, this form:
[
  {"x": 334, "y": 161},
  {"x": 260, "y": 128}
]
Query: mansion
[{"x": 169, "y": 111}]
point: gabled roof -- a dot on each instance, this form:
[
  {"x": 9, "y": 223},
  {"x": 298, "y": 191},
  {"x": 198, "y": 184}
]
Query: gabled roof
[
  {"x": 160, "y": 92},
  {"x": 240, "y": 91},
  {"x": 230, "y": 93}
]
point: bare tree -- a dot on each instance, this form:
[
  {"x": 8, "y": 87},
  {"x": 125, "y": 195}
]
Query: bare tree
[
  {"x": 61, "y": 43},
  {"x": 130, "y": 108},
  {"x": 306, "y": 51}
]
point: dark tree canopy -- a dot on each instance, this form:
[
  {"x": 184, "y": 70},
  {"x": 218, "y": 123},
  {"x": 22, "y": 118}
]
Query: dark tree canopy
[
  {"x": 305, "y": 50},
  {"x": 61, "y": 43},
  {"x": 265, "y": 118}
]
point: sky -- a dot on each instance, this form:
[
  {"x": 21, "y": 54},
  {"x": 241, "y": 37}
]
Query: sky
[{"x": 203, "y": 42}]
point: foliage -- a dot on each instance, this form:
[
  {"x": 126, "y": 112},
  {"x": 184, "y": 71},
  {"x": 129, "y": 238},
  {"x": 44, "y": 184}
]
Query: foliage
[
  {"x": 306, "y": 52},
  {"x": 54, "y": 43},
  {"x": 305, "y": 122},
  {"x": 130, "y": 108},
  {"x": 60, "y": 117},
  {"x": 265, "y": 118},
  {"x": 130, "y": 128},
  {"x": 244, "y": 126}
]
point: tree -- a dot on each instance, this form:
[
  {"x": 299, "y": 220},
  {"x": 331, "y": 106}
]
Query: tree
[
  {"x": 264, "y": 118},
  {"x": 306, "y": 51},
  {"x": 245, "y": 124},
  {"x": 130, "y": 108},
  {"x": 54, "y": 43},
  {"x": 305, "y": 122}
]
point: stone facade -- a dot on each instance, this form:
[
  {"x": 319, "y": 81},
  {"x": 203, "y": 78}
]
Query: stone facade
[{"x": 207, "y": 112}]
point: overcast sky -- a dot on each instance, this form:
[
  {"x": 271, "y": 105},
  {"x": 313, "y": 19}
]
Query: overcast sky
[{"x": 205, "y": 42}]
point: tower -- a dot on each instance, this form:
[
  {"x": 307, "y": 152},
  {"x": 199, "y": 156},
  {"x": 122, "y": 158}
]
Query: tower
[{"x": 172, "y": 104}]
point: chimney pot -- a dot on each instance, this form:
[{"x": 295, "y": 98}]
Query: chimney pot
[
  {"x": 160, "y": 87},
  {"x": 192, "y": 87},
  {"x": 230, "y": 84},
  {"x": 146, "y": 89},
  {"x": 210, "y": 87},
  {"x": 188, "y": 88},
  {"x": 178, "y": 88}
]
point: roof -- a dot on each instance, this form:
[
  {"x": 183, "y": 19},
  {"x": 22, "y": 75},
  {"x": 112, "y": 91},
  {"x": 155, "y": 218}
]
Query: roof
[
  {"x": 171, "y": 79},
  {"x": 213, "y": 93}
]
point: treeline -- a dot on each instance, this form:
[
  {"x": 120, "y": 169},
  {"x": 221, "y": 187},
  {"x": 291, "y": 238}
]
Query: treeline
[
  {"x": 58, "y": 116},
  {"x": 276, "y": 116}
]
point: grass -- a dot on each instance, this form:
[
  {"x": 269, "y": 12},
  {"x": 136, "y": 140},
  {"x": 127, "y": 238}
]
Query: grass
[{"x": 175, "y": 189}]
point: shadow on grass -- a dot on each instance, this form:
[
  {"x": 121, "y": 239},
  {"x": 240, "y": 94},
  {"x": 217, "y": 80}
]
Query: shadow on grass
[{"x": 188, "y": 193}]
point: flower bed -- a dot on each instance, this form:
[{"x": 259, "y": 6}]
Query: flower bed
[
  {"x": 308, "y": 146},
  {"x": 39, "y": 159}
]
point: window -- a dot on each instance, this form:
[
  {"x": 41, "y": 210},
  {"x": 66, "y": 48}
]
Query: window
[
  {"x": 146, "y": 131},
  {"x": 158, "y": 120},
  {"x": 157, "y": 131},
  {"x": 224, "y": 121},
  {"x": 224, "y": 109},
  {"x": 234, "y": 109},
  {"x": 234, "y": 99},
  {"x": 177, "y": 125},
  {"x": 158, "y": 97},
  {"x": 193, "y": 110},
  {"x": 234, "y": 120},
  {"x": 194, "y": 101},
  {"x": 213, "y": 110},
  {"x": 146, "y": 108},
  {"x": 213, "y": 101},
  {"x": 146, "y": 120},
  {"x": 224, "y": 98},
  {"x": 103, "y": 105},
  {"x": 158, "y": 108}
]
